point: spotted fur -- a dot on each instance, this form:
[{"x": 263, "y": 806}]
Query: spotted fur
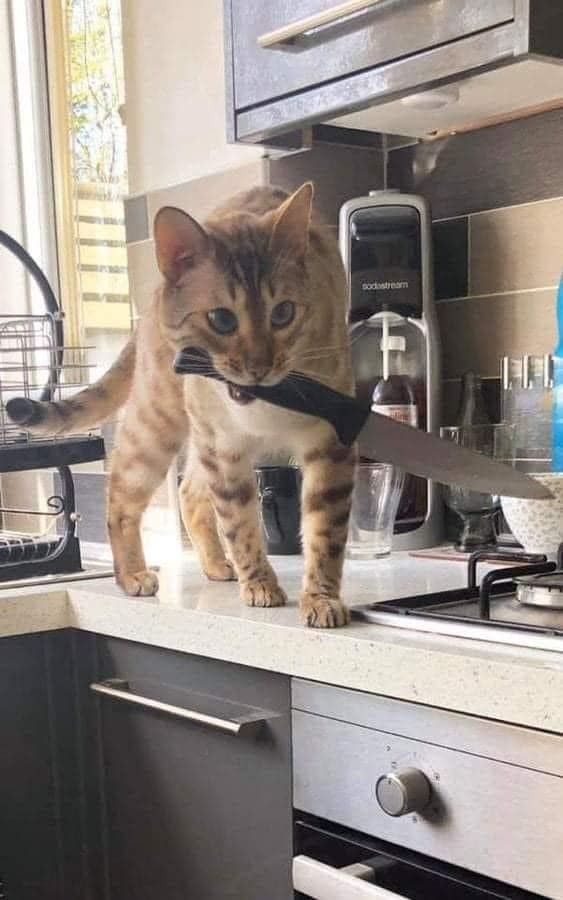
[{"x": 259, "y": 250}]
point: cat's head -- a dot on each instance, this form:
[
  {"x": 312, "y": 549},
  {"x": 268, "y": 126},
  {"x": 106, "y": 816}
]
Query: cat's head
[{"x": 239, "y": 287}]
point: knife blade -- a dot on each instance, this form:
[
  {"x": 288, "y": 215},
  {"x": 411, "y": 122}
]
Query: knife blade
[
  {"x": 427, "y": 455},
  {"x": 411, "y": 449}
]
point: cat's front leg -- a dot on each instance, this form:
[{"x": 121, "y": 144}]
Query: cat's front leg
[
  {"x": 232, "y": 485},
  {"x": 328, "y": 481}
]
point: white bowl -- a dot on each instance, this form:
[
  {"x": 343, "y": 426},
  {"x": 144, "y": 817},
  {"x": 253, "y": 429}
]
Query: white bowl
[{"x": 538, "y": 524}]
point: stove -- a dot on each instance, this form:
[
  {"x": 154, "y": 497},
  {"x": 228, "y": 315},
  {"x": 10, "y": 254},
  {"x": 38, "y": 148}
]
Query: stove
[{"x": 520, "y": 603}]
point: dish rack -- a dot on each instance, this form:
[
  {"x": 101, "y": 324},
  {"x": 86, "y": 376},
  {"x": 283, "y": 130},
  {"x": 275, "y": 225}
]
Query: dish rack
[{"x": 36, "y": 364}]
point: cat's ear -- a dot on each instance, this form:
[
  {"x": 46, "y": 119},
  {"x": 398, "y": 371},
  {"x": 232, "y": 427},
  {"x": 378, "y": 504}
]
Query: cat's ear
[
  {"x": 290, "y": 234},
  {"x": 180, "y": 242}
]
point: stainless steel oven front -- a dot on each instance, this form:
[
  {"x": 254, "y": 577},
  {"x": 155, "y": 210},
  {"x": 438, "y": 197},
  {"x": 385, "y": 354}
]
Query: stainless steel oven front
[
  {"x": 398, "y": 800},
  {"x": 335, "y": 863}
]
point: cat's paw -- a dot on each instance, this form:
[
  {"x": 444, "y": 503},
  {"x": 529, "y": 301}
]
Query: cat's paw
[
  {"x": 139, "y": 584},
  {"x": 262, "y": 592},
  {"x": 220, "y": 570},
  {"x": 317, "y": 611}
]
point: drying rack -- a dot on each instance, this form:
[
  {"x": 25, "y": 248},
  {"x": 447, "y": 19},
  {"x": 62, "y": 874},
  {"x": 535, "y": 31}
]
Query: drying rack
[{"x": 36, "y": 364}]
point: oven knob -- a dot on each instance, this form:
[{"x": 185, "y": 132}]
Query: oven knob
[{"x": 402, "y": 792}]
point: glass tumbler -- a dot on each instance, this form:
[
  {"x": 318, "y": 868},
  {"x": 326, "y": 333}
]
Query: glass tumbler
[
  {"x": 478, "y": 512},
  {"x": 375, "y": 501}
]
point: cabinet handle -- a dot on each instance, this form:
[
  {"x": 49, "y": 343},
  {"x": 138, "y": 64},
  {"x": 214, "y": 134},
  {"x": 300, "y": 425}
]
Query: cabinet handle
[
  {"x": 118, "y": 689},
  {"x": 322, "y": 882},
  {"x": 288, "y": 33}
]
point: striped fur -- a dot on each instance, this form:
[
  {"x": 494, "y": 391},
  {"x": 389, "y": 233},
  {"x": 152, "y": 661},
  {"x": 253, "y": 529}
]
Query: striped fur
[
  {"x": 259, "y": 250},
  {"x": 88, "y": 408}
]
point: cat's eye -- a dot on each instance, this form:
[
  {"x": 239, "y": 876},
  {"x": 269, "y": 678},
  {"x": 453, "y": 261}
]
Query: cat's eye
[
  {"x": 222, "y": 320},
  {"x": 282, "y": 314}
]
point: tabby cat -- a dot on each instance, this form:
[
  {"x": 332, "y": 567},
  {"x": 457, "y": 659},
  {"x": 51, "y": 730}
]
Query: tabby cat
[{"x": 261, "y": 287}]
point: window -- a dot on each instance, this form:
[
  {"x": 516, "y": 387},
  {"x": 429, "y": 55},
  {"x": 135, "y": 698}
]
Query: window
[
  {"x": 63, "y": 179},
  {"x": 86, "y": 87},
  {"x": 88, "y": 135},
  {"x": 88, "y": 138}
]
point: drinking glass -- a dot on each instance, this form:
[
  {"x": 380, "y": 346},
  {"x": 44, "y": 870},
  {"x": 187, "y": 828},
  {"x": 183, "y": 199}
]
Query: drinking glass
[
  {"x": 377, "y": 492},
  {"x": 478, "y": 512}
]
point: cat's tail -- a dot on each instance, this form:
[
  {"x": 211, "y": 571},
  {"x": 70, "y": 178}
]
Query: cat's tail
[{"x": 87, "y": 408}]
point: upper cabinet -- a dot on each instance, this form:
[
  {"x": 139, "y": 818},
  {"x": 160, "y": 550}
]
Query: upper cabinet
[{"x": 415, "y": 67}]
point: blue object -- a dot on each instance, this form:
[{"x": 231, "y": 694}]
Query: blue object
[{"x": 557, "y": 464}]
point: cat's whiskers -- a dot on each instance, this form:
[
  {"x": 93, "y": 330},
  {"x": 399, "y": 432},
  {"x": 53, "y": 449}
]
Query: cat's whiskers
[
  {"x": 323, "y": 349},
  {"x": 310, "y": 359},
  {"x": 357, "y": 335},
  {"x": 308, "y": 376},
  {"x": 312, "y": 355},
  {"x": 204, "y": 372},
  {"x": 197, "y": 365}
]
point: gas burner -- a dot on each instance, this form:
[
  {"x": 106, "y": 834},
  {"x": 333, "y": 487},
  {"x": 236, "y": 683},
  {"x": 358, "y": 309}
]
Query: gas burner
[
  {"x": 519, "y": 603},
  {"x": 541, "y": 590}
]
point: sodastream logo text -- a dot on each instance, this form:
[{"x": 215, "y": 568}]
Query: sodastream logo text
[{"x": 384, "y": 285}]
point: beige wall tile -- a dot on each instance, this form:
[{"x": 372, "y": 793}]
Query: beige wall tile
[
  {"x": 200, "y": 196},
  {"x": 137, "y": 226},
  {"x": 477, "y": 332},
  {"x": 339, "y": 173},
  {"x": 516, "y": 248},
  {"x": 144, "y": 276}
]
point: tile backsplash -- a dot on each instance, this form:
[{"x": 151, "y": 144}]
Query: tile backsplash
[
  {"x": 496, "y": 275},
  {"x": 504, "y": 165},
  {"x": 497, "y": 203},
  {"x": 516, "y": 248},
  {"x": 339, "y": 171}
]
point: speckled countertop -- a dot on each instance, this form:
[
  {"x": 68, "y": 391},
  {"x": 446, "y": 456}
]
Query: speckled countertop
[{"x": 512, "y": 684}]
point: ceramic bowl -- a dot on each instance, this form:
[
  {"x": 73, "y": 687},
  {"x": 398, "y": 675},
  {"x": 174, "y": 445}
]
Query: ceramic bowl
[{"x": 538, "y": 524}]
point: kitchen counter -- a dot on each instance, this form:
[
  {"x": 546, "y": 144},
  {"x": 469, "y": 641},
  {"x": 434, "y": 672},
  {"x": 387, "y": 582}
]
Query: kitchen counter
[{"x": 190, "y": 614}]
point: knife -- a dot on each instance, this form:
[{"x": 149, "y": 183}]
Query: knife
[{"x": 411, "y": 449}]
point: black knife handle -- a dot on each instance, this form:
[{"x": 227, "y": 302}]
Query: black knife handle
[
  {"x": 298, "y": 393},
  {"x": 308, "y": 396}
]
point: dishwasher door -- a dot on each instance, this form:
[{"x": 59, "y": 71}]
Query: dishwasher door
[{"x": 334, "y": 863}]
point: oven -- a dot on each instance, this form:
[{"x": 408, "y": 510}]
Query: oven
[
  {"x": 400, "y": 800},
  {"x": 335, "y": 863}
]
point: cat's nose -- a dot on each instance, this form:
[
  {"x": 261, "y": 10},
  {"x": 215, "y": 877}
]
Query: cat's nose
[{"x": 258, "y": 371}]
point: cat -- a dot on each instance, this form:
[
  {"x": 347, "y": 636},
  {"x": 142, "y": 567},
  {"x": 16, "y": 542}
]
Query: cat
[{"x": 262, "y": 288}]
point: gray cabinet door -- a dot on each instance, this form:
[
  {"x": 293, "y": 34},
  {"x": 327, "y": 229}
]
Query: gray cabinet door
[
  {"x": 390, "y": 30},
  {"x": 190, "y": 811},
  {"x": 41, "y": 840}
]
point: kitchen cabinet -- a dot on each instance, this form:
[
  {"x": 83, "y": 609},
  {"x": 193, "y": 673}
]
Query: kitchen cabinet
[
  {"x": 364, "y": 63},
  {"x": 107, "y": 799},
  {"x": 185, "y": 809},
  {"x": 42, "y": 855}
]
